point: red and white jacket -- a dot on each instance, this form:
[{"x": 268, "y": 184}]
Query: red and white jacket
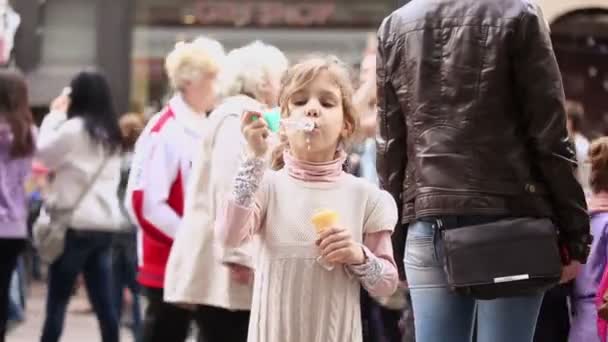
[{"x": 157, "y": 183}]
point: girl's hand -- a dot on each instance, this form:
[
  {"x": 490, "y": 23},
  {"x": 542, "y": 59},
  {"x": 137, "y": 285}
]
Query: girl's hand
[
  {"x": 241, "y": 274},
  {"x": 570, "y": 271},
  {"x": 337, "y": 246},
  {"x": 255, "y": 132}
]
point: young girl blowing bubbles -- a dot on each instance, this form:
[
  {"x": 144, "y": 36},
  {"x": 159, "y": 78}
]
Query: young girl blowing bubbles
[{"x": 297, "y": 297}]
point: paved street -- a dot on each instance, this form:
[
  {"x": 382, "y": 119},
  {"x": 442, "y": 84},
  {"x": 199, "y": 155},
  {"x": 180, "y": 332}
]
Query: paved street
[{"x": 79, "y": 327}]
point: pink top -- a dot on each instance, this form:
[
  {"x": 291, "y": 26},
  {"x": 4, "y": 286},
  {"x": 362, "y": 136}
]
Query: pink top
[
  {"x": 237, "y": 223},
  {"x": 38, "y": 168},
  {"x": 602, "y": 326},
  {"x": 599, "y": 203}
]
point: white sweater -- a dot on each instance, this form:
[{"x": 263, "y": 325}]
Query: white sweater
[{"x": 65, "y": 147}]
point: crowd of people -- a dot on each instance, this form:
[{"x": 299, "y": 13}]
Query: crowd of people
[{"x": 250, "y": 207}]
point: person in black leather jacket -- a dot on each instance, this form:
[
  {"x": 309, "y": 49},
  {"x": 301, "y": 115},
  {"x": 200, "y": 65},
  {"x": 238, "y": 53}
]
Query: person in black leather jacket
[{"x": 473, "y": 127}]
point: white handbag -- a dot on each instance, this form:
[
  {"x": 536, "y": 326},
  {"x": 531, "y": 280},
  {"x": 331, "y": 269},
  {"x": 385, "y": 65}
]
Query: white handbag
[{"x": 52, "y": 224}]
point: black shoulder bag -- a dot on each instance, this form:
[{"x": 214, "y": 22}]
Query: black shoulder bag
[{"x": 506, "y": 258}]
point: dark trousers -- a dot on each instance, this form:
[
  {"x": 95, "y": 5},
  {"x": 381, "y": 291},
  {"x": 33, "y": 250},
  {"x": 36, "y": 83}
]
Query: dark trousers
[
  {"x": 553, "y": 323},
  {"x": 85, "y": 252},
  {"x": 379, "y": 324},
  {"x": 9, "y": 251},
  {"x": 221, "y": 325},
  {"x": 164, "y": 322},
  {"x": 124, "y": 268},
  {"x": 167, "y": 322}
]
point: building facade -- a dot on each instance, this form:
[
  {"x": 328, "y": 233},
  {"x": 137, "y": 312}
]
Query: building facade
[
  {"x": 128, "y": 40},
  {"x": 58, "y": 38},
  {"x": 339, "y": 27},
  {"x": 580, "y": 38}
]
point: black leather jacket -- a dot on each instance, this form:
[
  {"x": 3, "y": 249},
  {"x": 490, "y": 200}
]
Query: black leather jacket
[{"x": 472, "y": 120}]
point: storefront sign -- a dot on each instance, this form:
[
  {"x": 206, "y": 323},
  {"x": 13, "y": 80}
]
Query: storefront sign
[{"x": 264, "y": 13}]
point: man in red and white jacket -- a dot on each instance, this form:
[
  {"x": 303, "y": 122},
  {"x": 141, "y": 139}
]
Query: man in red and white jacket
[
  {"x": 158, "y": 177},
  {"x": 157, "y": 182}
]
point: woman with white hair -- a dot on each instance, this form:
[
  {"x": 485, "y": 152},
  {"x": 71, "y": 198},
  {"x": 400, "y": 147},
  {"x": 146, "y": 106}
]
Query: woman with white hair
[
  {"x": 200, "y": 271},
  {"x": 157, "y": 182}
]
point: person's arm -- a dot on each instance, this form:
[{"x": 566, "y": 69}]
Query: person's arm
[
  {"x": 365, "y": 93},
  {"x": 539, "y": 86},
  {"x": 391, "y": 154},
  {"x": 242, "y": 214},
  {"x": 55, "y": 139},
  {"x": 227, "y": 156},
  {"x": 155, "y": 170},
  {"x": 378, "y": 275}
]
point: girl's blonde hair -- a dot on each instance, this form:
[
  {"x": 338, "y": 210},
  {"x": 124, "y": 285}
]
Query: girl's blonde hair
[
  {"x": 598, "y": 157},
  {"x": 249, "y": 66},
  {"x": 190, "y": 60},
  {"x": 299, "y": 77}
]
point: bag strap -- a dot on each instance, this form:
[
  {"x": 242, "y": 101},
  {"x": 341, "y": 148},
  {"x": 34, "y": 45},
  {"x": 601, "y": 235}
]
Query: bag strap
[{"x": 90, "y": 184}]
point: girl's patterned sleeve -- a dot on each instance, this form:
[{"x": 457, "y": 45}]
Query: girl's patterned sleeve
[
  {"x": 378, "y": 274},
  {"x": 243, "y": 212}
]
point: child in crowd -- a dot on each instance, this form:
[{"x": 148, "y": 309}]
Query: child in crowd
[
  {"x": 17, "y": 146},
  {"x": 586, "y": 285},
  {"x": 307, "y": 282},
  {"x": 124, "y": 246}
]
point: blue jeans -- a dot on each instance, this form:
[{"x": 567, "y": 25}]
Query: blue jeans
[
  {"x": 368, "y": 161},
  {"x": 441, "y": 315},
  {"x": 16, "y": 308},
  {"x": 85, "y": 252}
]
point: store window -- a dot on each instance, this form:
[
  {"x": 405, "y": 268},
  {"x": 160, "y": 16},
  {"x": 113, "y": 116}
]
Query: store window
[
  {"x": 56, "y": 39},
  {"x": 69, "y": 20}
]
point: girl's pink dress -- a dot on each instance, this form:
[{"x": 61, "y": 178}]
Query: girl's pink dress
[{"x": 602, "y": 325}]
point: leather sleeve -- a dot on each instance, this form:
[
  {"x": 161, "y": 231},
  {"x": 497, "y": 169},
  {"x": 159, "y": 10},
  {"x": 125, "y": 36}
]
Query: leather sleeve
[
  {"x": 391, "y": 146},
  {"x": 541, "y": 97},
  {"x": 392, "y": 132}
]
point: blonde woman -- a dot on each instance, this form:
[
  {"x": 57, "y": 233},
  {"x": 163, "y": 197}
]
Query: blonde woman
[
  {"x": 200, "y": 271},
  {"x": 159, "y": 173}
]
